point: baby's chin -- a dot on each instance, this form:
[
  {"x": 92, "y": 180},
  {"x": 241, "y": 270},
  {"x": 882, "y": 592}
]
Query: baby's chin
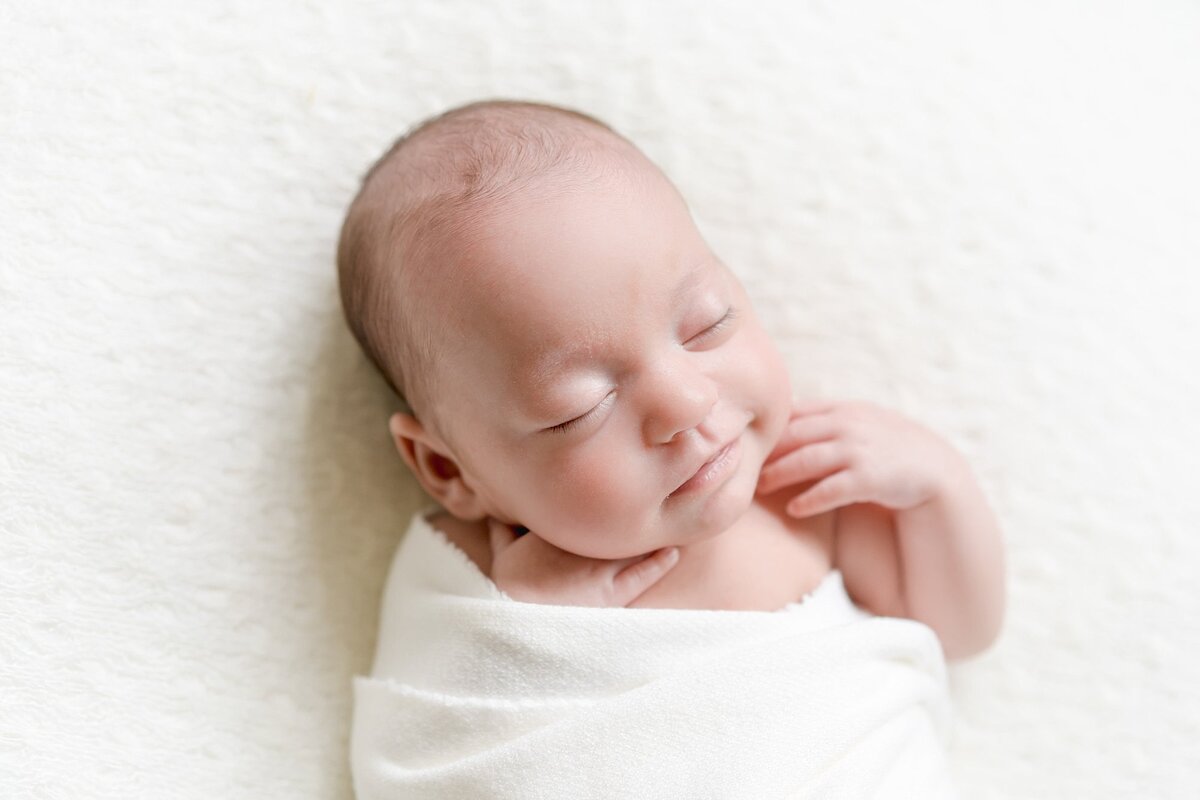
[{"x": 713, "y": 515}]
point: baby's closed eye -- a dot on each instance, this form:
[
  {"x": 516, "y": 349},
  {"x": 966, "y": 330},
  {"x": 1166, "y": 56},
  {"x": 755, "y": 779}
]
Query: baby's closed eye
[
  {"x": 589, "y": 414},
  {"x": 717, "y": 327}
]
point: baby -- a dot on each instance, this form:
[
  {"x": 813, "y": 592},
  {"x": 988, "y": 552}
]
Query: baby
[{"x": 593, "y": 402}]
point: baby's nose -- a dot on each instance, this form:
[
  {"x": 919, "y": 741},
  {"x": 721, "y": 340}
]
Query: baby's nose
[{"x": 680, "y": 402}]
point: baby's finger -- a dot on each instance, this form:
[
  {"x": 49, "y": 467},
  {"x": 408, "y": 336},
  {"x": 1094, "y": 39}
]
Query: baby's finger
[
  {"x": 635, "y": 579},
  {"x": 818, "y": 427},
  {"x": 806, "y": 464},
  {"x": 811, "y": 405},
  {"x": 835, "y": 491},
  {"x": 500, "y": 536}
]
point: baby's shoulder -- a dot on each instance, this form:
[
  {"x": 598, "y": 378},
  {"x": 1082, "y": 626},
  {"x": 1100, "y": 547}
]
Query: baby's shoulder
[{"x": 469, "y": 536}]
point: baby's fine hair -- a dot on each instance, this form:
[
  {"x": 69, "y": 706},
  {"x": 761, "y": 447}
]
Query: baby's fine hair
[{"x": 430, "y": 187}]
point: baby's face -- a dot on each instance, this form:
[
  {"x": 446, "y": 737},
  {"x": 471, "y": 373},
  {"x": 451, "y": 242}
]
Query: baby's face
[{"x": 603, "y": 356}]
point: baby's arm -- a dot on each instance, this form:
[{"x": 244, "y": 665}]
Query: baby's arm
[
  {"x": 953, "y": 564},
  {"x": 940, "y": 562},
  {"x": 914, "y": 534}
]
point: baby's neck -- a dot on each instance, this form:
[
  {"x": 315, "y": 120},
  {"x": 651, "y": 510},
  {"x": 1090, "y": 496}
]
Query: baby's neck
[
  {"x": 761, "y": 562},
  {"x": 763, "y": 514}
]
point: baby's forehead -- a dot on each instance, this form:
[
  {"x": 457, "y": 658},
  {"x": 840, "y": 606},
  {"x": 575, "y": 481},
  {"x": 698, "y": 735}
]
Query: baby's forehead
[
  {"x": 454, "y": 245},
  {"x": 439, "y": 200},
  {"x": 530, "y": 334}
]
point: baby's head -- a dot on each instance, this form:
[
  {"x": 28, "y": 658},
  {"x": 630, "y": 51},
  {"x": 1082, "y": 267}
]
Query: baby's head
[{"x": 569, "y": 349}]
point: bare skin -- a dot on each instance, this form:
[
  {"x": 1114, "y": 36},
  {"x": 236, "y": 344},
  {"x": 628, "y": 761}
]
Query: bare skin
[
  {"x": 602, "y": 361},
  {"x": 762, "y": 563},
  {"x": 895, "y": 508}
]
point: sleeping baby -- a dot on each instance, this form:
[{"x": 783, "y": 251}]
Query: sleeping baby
[{"x": 623, "y": 477}]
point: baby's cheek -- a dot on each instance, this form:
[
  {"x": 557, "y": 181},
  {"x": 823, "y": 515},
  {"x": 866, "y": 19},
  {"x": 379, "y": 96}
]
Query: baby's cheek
[
  {"x": 592, "y": 485},
  {"x": 598, "y": 494},
  {"x": 765, "y": 378},
  {"x": 765, "y": 373}
]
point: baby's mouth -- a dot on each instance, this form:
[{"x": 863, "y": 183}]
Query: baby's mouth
[{"x": 717, "y": 467}]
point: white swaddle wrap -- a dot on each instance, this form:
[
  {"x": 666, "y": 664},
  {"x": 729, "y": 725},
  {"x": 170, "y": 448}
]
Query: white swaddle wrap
[{"x": 476, "y": 695}]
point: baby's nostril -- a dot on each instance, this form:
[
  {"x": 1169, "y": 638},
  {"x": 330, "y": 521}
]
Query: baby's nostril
[{"x": 520, "y": 530}]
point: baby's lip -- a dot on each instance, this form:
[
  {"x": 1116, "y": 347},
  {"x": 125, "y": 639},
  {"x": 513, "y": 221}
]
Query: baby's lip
[{"x": 709, "y": 459}]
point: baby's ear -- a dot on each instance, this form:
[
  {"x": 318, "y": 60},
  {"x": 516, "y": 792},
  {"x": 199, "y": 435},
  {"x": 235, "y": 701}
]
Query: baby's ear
[{"x": 435, "y": 467}]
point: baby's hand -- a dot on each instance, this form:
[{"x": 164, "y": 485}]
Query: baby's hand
[
  {"x": 864, "y": 453},
  {"x": 530, "y": 569}
]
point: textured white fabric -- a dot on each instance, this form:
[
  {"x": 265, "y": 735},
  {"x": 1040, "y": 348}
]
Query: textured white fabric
[
  {"x": 982, "y": 214},
  {"x": 473, "y": 694}
]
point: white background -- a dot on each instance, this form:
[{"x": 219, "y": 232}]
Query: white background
[{"x": 984, "y": 216}]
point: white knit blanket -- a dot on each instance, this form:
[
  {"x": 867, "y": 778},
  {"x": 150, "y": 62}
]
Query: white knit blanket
[{"x": 476, "y": 695}]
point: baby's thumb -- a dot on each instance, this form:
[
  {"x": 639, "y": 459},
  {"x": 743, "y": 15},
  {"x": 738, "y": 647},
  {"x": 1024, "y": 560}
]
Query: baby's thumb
[{"x": 631, "y": 582}]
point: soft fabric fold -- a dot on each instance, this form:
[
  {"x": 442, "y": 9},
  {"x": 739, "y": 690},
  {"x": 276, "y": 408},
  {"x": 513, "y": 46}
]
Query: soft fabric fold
[{"x": 473, "y": 694}]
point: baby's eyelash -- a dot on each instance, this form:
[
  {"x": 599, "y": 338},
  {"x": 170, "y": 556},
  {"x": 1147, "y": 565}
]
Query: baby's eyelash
[
  {"x": 719, "y": 325},
  {"x": 571, "y": 423}
]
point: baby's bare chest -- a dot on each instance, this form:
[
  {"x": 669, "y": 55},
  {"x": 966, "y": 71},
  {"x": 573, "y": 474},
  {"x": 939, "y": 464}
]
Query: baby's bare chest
[{"x": 757, "y": 567}]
